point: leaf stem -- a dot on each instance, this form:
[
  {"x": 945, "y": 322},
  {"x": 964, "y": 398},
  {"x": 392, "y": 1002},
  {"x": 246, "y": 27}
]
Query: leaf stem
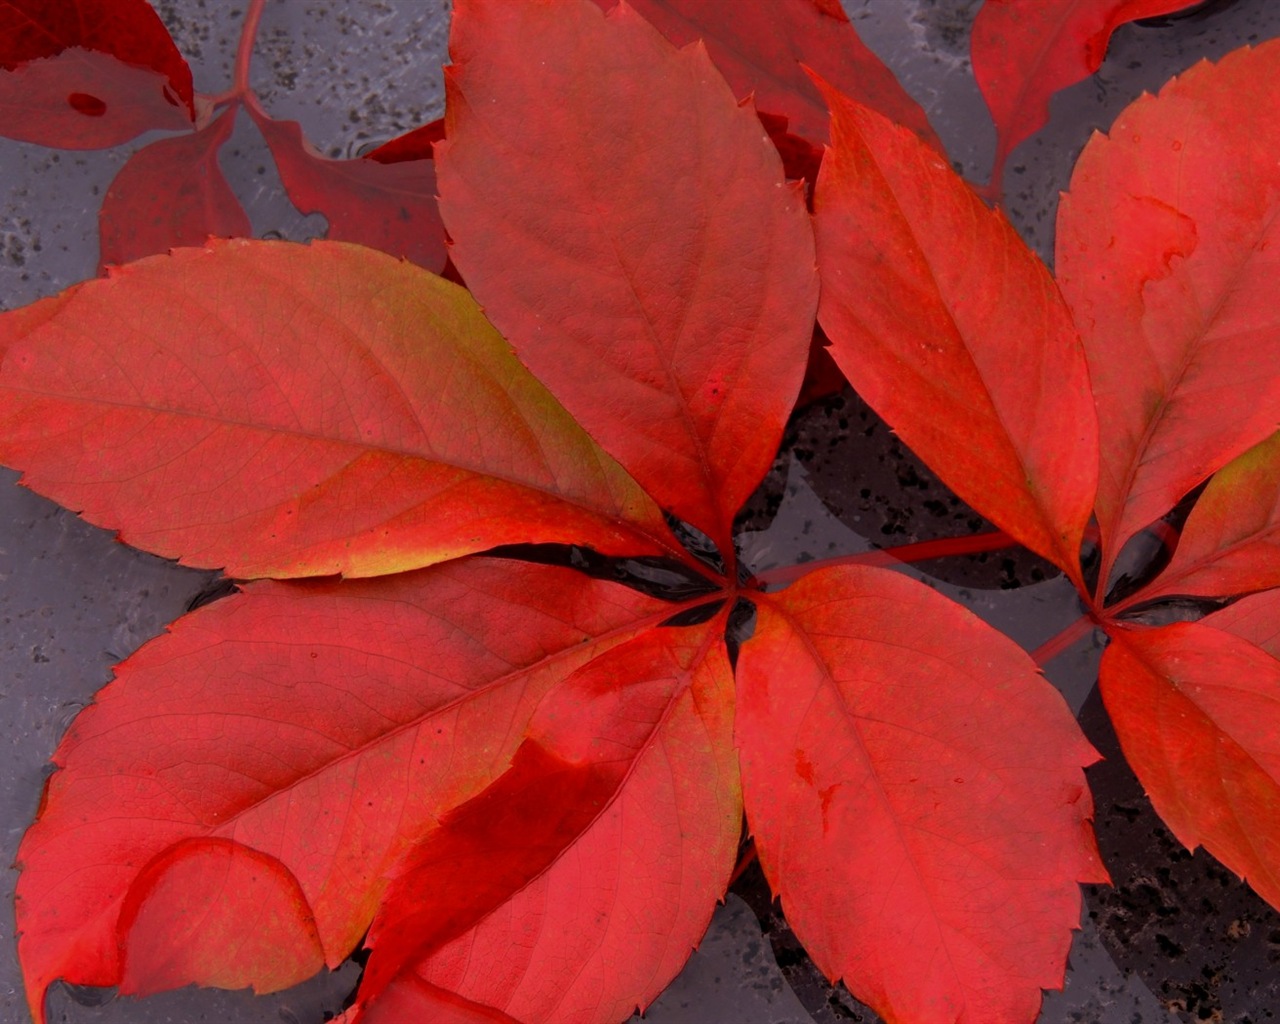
[
  {"x": 240, "y": 89},
  {"x": 920, "y": 551},
  {"x": 244, "y": 51},
  {"x": 1059, "y": 642}
]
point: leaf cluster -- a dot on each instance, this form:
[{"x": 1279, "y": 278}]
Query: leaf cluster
[{"x": 498, "y": 701}]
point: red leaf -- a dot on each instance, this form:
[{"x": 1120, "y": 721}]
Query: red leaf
[
  {"x": 387, "y": 205},
  {"x": 759, "y": 48},
  {"x": 1197, "y": 712},
  {"x": 171, "y": 193},
  {"x": 299, "y": 738},
  {"x": 411, "y": 998},
  {"x": 1166, "y": 254},
  {"x": 625, "y": 800},
  {"x": 202, "y": 897},
  {"x": 953, "y": 331},
  {"x": 1231, "y": 542},
  {"x": 916, "y": 795},
  {"x": 282, "y": 410},
  {"x": 418, "y": 144},
  {"x": 660, "y": 279},
  {"x": 800, "y": 157},
  {"x": 1255, "y": 618},
  {"x": 1024, "y": 51},
  {"x": 87, "y": 74}
]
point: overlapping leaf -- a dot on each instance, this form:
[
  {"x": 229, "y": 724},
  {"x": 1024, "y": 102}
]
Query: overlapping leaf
[
  {"x": 1197, "y": 712},
  {"x": 386, "y": 205},
  {"x": 86, "y": 74},
  {"x": 625, "y": 800},
  {"x": 1167, "y": 254},
  {"x": 953, "y": 331},
  {"x": 321, "y": 409},
  {"x": 916, "y": 793},
  {"x": 278, "y": 751},
  {"x": 659, "y": 280},
  {"x": 169, "y": 194},
  {"x": 1231, "y": 541},
  {"x": 760, "y": 47},
  {"x": 417, "y": 144},
  {"x": 1024, "y": 51},
  {"x": 1256, "y": 618}
]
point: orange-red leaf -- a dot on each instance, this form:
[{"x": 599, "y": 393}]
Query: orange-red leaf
[
  {"x": 916, "y": 793},
  {"x": 280, "y": 410},
  {"x": 759, "y": 46},
  {"x": 1231, "y": 541},
  {"x": 953, "y": 331},
  {"x": 625, "y": 224},
  {"x": 295, "y": 740},
  {"x": 87, "y": 74},
  {"x": 1024, "y": 51},
  {"x": 1256, "y": 618},
  {"x": 385, "y": 204},
  {"x": 574, "y": 888},
  {"x": 1197, "y": 712},
  {"x": 202, "y": 897},
  {"x": 1167, "y": 254},
  {"x": 171, "y": 193}
]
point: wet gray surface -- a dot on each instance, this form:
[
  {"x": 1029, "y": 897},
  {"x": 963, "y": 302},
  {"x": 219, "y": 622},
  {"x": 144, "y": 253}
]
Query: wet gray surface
[{"x": 1177, "y": 939}]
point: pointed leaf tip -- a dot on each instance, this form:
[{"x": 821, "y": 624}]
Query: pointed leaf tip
[
  {"x": 761, "y": 48},
  {"x": 1024, "y": 51}
]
